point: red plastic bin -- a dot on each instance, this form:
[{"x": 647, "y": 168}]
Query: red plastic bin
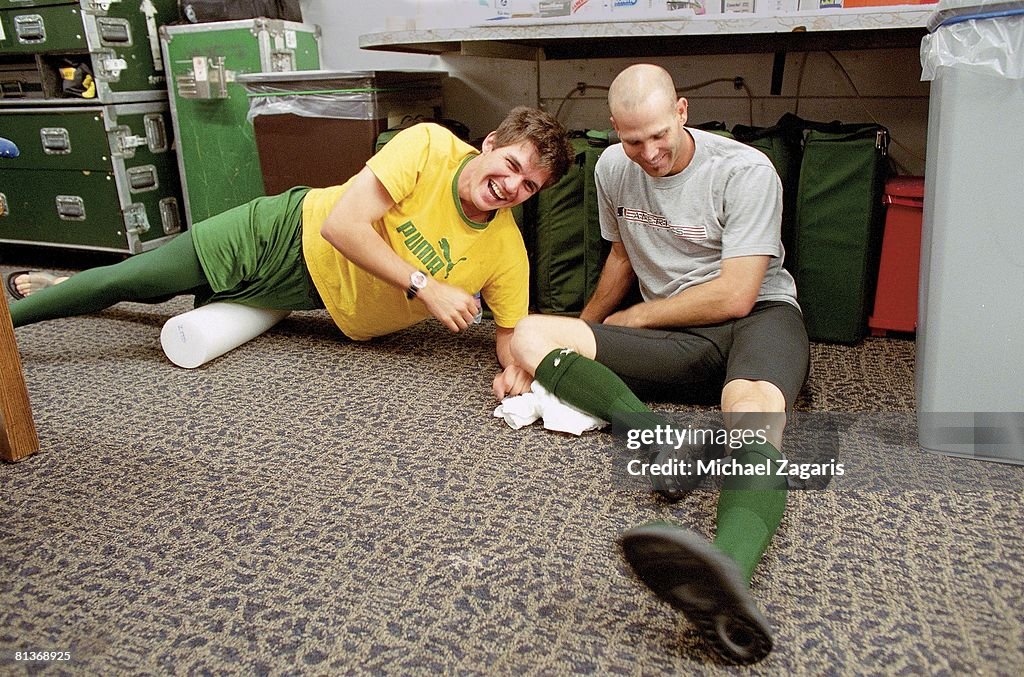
[{"x": 896, "y": 294}]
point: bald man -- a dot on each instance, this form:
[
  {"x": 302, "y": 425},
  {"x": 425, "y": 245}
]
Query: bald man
[{"x": 696, "y": 219}]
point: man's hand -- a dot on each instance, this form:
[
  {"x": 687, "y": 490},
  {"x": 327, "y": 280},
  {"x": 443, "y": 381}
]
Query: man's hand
[
  {"x": 634, "y": 316},
  {"x": 453, "y": 307},
  {"x": 511, "y": 382},
  {"x": 729, "y": 296}
]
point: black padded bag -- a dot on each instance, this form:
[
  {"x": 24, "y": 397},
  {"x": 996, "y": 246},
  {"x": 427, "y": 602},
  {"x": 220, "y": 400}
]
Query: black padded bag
[{"x": 202, "y": 11}]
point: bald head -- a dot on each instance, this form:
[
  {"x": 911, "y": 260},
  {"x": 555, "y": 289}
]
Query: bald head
[
  {"x": 650, "y": 120},
  {"x": 639, "y": 88}
]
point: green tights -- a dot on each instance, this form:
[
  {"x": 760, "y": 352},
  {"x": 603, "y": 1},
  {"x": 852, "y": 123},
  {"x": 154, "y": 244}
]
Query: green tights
[{"x": 151, "y": 277}]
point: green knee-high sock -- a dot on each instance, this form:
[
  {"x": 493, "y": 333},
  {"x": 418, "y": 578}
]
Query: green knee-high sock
[
  {"x": 591, "y": 386},
  {"x": 750, "y": 508}
]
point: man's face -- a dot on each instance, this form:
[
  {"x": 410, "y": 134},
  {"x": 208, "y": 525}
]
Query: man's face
[
  {"x": 653, "y": 137},
  {"x": 505, "y": 176}
]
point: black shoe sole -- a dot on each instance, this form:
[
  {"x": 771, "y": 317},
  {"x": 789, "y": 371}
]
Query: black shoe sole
[{"x": 688, "y": 572}]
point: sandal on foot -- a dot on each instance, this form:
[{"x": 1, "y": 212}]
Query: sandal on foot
[
  {"x": 688, "y": 572},
  {"x": 46, "y": 280}
]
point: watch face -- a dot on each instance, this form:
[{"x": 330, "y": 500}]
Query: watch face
[{"x": 418, "y": 279}]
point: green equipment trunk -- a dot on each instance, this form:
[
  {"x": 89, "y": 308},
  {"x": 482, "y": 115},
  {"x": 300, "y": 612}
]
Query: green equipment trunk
[
  {"x": 100, "y": 177},
  {"x": 217, "y": 152},
  {"x": 117, "y": 42}
]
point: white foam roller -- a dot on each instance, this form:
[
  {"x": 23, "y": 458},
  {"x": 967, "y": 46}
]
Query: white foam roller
[{"x": 198, "y": 336}]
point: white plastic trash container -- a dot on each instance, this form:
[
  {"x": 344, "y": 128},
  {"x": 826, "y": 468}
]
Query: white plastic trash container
[{"x": 970, "y": 339}]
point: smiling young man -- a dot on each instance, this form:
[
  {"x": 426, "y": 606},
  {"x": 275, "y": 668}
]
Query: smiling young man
[
  {"x": 696, "y": 218},
  {"x": 424, "y": 226}
]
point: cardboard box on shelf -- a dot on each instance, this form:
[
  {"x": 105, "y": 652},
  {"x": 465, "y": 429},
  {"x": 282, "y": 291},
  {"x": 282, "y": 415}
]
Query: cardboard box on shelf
[
  {"x": 517, "y": 8},
  {"x": 589, "y": 9},
  {"x": 884, "y": 3},
  {"x": 699, "y": 7},
  {"x": 775, "y": 6},
  {"x": 821, "y": 4},
  {"x": 554, "y": 7},
  {"x": 734, "y": 6}
]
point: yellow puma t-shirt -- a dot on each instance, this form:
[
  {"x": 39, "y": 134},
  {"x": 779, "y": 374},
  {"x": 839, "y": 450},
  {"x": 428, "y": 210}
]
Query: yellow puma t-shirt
[{"x": 419, "y": 167}]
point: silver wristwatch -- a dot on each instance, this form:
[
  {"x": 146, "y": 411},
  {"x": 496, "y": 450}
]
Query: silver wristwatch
[{"x": 417, "y": 281}]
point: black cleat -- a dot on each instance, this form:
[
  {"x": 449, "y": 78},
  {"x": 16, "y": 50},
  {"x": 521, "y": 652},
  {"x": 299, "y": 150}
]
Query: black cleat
[
  {"x": 677, "y": 458},
  {"x": 688, "y": 572},
  {"x": 675, "y": 487}
]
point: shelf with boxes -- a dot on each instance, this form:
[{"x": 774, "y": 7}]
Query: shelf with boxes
[
  {"x": 671, "y": 33},
  {"x": 83, "y": 101}
]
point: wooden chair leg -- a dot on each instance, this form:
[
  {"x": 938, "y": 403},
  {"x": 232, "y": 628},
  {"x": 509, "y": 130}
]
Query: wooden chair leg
[{"x": 17, "y": 431}]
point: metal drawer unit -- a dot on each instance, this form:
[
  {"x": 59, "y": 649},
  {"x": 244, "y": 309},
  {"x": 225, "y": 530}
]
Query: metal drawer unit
[
  {"x": 117, "y": 39},
  {"x": 217, "y": 153},
  {"x": 93, "y": 172},
  {"x": 99, "y": 177}
]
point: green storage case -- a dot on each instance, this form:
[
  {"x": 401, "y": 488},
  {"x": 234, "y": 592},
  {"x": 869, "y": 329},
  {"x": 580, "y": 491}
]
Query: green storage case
[
  {"x": 117, "y": 41},
  {"x": 217, "y": 152},
  {"x": 839, "y": 225},
  {"x": 783, "y": 144},
  {"x": 562, "y": 229},
  {"x": 101, "y": 178}
]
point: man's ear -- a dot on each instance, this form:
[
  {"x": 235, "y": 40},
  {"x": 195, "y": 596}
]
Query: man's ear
[
  {"x": 682, "y": 106},
  {"x": 614, "y": 126},
  {"x": 488, "y": 143}
]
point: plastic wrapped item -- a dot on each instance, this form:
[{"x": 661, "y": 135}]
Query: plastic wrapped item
[
  {"x": 352, "y": 105},
  {"x": 341, "y": 113},
  {"x": 980, "y": 37},
  {"x": 349, "y": 95}
]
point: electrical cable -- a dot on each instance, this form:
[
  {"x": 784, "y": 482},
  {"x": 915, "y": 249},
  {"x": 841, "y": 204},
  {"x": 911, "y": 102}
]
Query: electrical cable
[
  {"x": 860, "y": 99},
  {"x": 582, "y": 87},
  {"x": 799, "y": 83}
]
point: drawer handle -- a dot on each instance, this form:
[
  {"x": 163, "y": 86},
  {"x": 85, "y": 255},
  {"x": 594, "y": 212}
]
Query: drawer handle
[
  {"x": 170, "y": 217},
  {"x": 56, "y": 140},
  {"x": 70, "y": 208},
  {"x": 156, "y": 132},
  {"x": 30, "y": 29},
  {"x": 142, "y": 178},
  {"x": 114, "y": 31}
]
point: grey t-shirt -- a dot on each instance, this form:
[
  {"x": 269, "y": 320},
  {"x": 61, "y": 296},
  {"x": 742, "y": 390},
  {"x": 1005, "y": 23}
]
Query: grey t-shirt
[{"x": 677, "y": 229}]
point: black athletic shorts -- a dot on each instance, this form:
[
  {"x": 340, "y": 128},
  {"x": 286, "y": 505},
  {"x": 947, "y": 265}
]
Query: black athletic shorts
[{"x": 693, "y": 364}]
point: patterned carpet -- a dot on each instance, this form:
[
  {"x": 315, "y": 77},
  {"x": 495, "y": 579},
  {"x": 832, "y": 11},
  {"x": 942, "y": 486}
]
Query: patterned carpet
[{"x": 306, "y": 505}]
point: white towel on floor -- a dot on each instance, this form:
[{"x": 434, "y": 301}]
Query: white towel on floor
[{"x": 522, "y": 410}]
